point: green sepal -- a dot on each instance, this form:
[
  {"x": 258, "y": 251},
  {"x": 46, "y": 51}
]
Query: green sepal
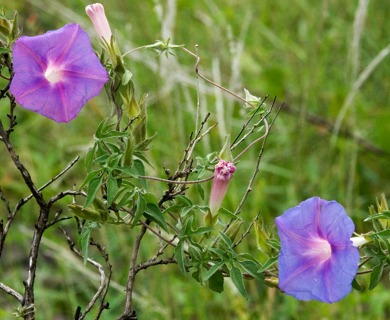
[
  {"x": 88, "y": 213},
  {"x": 226, "y": 153}
]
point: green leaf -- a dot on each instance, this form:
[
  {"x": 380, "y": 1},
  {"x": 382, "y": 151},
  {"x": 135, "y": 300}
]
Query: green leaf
[
  {"x": 376, "y": 275},
  {"x": 114, "y": 134},
  {"x": 84, "y": 242},
  {"x": 84, "y": 237},
  {"x": 126, "y": 77},
  {"x": 220, "y": 254},
  {"x": 179, "y": 256},
  {"x": 227, "y": 213},
  {"x": 238, "y": 280},
  {"x": 216, "y": 282},
  {"x": 382, "y": 215},
  {"x": 154, "y": 214},
  {"x": 273, "y": 243},
  {"x": 184, "y": 201},
  {"x": 228, "y": 242},
  {"x": 93, "y": 188},
  {"x": 150, "y": 198},
  {"x": 200, "y": 190},
  {"x": 384, "y": 234},
  {"x": 195, "y": 252},
  {"x": 5, "y": 50},
  {"x": 90, "y": 176},
  {"x": 112, "y": 189},
  {"x": 112, "y": 148},
  {"x": 89, "y": 158},
  {"x": 201, "y": 230},
  {"x": 99, "y": 130},
  {"x": 126, "y": 198},
  {"x": 252, "y": 268},
  {"x": 213, "y": 269},
  {"x": 101, "y": 160},
  {"x": 139, "y": 170},
  {"x": 185, "y": 211},
  {"x": 141, "y": 207},
  {"x": 268, "y": 264},
  {"x": 357, "y": 286}
]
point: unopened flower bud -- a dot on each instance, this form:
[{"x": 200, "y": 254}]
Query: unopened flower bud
[
  {"x": 223, "y": 173},
  {"x": 234, "y": 229},
  {"x": 272, "y": 282},
  {"x": 98, "y": 17}
]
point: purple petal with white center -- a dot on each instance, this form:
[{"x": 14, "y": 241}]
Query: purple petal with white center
[
  {"x": 317, "y": 260},
  {"x": 56, "y": 73}
]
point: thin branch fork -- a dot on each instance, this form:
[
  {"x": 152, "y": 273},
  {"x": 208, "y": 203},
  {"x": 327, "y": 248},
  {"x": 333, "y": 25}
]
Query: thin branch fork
[
  {"x": 249, "y": 188},
  {"x": 103, "y": 278}
]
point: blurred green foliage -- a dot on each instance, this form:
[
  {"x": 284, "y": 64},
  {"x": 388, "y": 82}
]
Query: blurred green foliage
[{"x": 300, "y": 51}]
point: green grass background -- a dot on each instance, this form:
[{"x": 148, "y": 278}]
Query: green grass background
[{"x": 300, "y": 51}]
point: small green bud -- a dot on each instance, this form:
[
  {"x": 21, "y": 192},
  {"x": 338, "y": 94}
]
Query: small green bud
[
  {"x": 85, "y": 213},
  {"x": 5, "y": 28},
  {"x": 97, "y": 215},
  {"x": 272, "y": 282},
  {"x": 253, "y": 101},
  {"x": 234, "y": 229},
  {"x": 139, "y": 130},
  {"x": 226, "y": 153},
  {"x": 128, "y": 154},
  {"x": 209, "y": 219}
]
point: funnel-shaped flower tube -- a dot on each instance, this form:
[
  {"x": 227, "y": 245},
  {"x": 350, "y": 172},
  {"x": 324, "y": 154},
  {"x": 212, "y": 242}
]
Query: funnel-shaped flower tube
[
  {"x": 317, "y": 260},
  {"x": 223, "y": 173},
  {"x": 99, "y": 20},
  {"x": 56, "y": 73}
]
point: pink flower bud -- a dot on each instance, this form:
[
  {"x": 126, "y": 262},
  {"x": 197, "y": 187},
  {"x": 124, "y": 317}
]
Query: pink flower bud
[
  {"x": 98, "y": 17},
  {"x": 223, "y": 173}
]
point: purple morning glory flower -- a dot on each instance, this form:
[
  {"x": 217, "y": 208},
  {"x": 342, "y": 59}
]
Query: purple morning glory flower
[
  {"x": 317, "y": 260},
  {"x": 56, "y": 73}
]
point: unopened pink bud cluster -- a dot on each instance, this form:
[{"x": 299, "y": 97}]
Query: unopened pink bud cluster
[
  {"x": 224, "y": 170},
  {"x": 223, "y": 173}
]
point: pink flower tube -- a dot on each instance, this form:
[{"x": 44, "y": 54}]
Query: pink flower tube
[
  {"x": 223, "y": 173},
  {"x": 98, "y": 17}
]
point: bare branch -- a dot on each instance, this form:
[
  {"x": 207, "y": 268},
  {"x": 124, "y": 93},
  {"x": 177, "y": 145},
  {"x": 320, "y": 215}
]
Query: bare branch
[
  {"x": 208, "y": 80},
  {"x": 11, "y": 292},
  {"x": 177, "y": 182},
  {"x": 128, "y": 312},
  {"x": 99, "y": 267},
  {"x": 63, "y": 194},
  {"x": 151, "y": 263},
  {"x": 6, "y": 203},
  {"x": 245, "y": 125},
  {"x": 249, "y": 187},
  {"x": 254, "y": 141},
  {"x": 247, "y": 230}
]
